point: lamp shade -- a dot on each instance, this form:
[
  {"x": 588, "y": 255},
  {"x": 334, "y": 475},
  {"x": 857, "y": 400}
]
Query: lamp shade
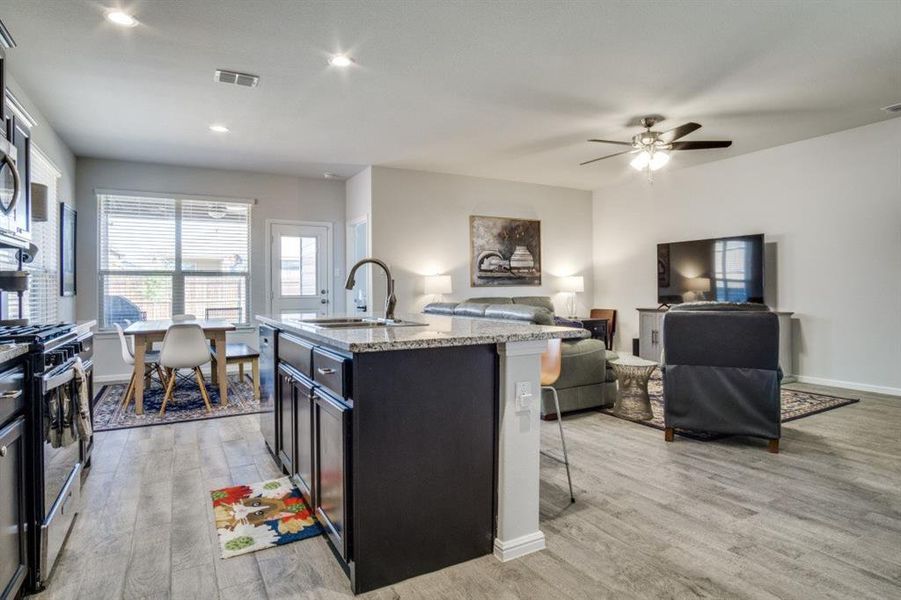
[
  {"x": 438, "y": 284},
  {"x": 698, "y": 284},
  {"x": 39, "y": 202},
  {"x": 572, "y": 284}
]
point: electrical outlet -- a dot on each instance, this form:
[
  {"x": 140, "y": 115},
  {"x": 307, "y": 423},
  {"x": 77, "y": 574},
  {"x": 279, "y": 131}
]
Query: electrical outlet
[{"x": 523, "y": 396}]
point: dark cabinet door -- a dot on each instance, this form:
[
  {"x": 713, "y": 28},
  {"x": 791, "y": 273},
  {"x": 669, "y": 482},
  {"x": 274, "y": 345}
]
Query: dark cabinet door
[
  {"x": 303, "y": 428},
  {"x": 286, "y": 420},
  {"x": 332, "y": 498},
  {"x": 13, "y": 565}
]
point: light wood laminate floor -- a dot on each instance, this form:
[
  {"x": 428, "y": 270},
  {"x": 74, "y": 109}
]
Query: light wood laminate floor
[{"x": 652, "y": 520}]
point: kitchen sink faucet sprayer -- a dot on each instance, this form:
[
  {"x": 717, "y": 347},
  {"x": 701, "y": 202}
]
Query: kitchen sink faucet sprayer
[{"x": 390, "y": 299}]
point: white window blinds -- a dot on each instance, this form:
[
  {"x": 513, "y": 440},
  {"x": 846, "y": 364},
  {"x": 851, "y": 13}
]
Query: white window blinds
[
  {"x": 41, "y": 301},
  {"x": 161, "y": 256}
]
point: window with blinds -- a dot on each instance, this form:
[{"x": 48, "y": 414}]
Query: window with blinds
[
  {"x": 41, "y": 300},
  {"x": 161, "y": 256}
]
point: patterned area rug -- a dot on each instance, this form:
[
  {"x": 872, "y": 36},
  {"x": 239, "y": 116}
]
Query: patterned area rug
[
  {"x": 795, "y": 405},
  {"x": 261, "y": 515},
  {"x": 185, "y": 405}
]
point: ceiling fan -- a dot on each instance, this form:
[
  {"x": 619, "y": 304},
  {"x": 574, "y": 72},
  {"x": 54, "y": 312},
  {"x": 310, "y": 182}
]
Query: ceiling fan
[{"x": 652, "y": 148}]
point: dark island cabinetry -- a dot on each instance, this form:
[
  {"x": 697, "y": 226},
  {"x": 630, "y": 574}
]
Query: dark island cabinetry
[{"x": 394, "y": 450}]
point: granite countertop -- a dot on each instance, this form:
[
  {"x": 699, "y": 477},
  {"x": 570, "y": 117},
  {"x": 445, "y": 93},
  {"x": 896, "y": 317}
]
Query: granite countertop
[
  {"x": 437, "y": 331},
  {"x": 11, "y": 351}
]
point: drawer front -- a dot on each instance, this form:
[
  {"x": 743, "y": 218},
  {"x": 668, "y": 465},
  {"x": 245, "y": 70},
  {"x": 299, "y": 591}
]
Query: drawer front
[
  {"x": 296, "y": 352},
  {"x": 332, "y": 371}
]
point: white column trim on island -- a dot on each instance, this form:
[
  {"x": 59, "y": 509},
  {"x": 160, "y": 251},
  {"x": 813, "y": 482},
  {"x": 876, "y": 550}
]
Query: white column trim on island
[{"x": 519, "y": 443}]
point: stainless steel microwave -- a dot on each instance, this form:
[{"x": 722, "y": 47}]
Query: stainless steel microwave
[{"x": 10, "y": 194}]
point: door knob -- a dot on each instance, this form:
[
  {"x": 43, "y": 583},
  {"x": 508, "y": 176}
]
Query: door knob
[
  {"x": 324, "y": 301},
  {"x": 323, "y": 291},
  {"x": 2, "y": 451}
]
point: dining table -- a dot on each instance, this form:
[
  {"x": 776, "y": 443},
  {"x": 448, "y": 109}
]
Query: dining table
[{"x": 147, "y": 332}]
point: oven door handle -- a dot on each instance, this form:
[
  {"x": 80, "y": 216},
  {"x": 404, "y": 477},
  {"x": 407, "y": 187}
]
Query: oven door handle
[
  {"x": 51, "y": 382},
  {"x": 16, "y": 183}
]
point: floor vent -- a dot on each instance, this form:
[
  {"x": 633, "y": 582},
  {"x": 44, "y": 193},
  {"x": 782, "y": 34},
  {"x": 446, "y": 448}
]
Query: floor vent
[
  {"x": 233, "y": 77},
  {"x": 894, "y": 108}
]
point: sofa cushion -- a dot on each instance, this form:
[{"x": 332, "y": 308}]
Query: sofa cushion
[
  {"x": 513, "y": 312},
  {"x": 582, "y": 363},
  {"x": 440, "y": 308},
  {"x": 540, "y": 301},
  {"x": 470, "y": 309},
  {"x": 491, "y": 300}
]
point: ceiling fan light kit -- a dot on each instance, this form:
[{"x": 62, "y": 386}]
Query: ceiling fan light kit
[{"x": 653, "y": 148}]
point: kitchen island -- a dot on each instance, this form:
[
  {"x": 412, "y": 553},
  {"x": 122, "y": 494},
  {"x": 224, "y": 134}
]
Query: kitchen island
[{"x": 416, "y": 443}]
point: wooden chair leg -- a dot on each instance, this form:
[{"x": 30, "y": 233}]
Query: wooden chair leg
[
  {"x": 240, "y": 371},
  {"x": 255, "y": 368},
  {"x": 668, "y": 434},
  {"x": 162, "y": 376},
  {"x": 198, "y": 375},
  {"x": 773, "y": 446},
  {"x": 169, "y": 386},
  {"x": 128, "y": 391}
]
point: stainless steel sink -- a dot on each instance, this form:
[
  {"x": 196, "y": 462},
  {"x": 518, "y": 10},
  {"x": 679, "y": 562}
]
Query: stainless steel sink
[{"x": 360, "y": 323}]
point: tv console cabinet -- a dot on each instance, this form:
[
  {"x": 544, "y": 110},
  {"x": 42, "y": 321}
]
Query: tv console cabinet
[{"x": 650, "y": 339}]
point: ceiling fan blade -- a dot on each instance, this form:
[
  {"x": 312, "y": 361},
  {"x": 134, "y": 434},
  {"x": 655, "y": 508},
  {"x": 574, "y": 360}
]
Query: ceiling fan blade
[
  {"x": 612, "y": 142},
  {"x": 699, "y": 145},
  {"x": 680, "y": 131},
  {"x": 603, "y": 157}
]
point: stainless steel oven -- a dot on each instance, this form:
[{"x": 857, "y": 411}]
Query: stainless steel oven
[
  {"x": 58, "y": 455},
  {"x": 61, "y": 453}
]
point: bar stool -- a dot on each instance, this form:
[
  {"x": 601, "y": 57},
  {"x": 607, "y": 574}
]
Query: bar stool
[{"x": 550, "y": 373}]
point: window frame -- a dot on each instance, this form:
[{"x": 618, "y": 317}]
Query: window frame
[{"x": 177, "y": 274}]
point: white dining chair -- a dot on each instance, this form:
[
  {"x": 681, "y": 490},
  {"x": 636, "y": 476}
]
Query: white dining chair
[
  {"x": 184, "y": 347},
  {"x": 151, "y": 364}
]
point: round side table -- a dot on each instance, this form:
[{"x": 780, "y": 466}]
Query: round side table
[{"x": 632, "y": 401}]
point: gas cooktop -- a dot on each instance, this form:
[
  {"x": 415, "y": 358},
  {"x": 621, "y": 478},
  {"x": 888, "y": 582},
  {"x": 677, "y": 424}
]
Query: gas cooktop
[{"x": 34, "y": 333}]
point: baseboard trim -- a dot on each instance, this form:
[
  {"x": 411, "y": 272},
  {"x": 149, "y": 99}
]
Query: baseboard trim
[
  {"x": 526, "y": 544},
  {"x": 851, "y": 385}
]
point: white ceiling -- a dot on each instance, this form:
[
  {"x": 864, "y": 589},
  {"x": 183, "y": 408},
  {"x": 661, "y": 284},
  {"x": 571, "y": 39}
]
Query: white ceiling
[{"x": 501, "y": 90}]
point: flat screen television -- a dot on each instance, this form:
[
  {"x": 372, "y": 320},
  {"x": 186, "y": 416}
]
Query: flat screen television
[{"x": 728, "y": 269}]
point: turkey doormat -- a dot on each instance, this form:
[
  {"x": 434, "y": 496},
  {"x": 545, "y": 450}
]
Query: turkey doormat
[{"x": 261, "y": 515}]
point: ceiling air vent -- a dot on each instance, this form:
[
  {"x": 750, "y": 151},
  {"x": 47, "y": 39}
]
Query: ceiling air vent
[
  {"x": 243, "y": 79},
  {"x": 894, "y": 108}
]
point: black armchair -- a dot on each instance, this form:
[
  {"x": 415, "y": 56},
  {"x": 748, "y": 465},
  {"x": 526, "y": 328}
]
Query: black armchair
[{"x": 721, "y": 372}]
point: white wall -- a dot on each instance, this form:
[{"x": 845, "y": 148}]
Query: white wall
[
  {"x": 45, "y": 138},
  {"x": 278, "y": 197},
  {"x": 832, "y": 205},
  {"x": 420, "y": 226}
]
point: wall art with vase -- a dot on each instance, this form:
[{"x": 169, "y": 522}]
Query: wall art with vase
[{"x": 504, "y": 251}]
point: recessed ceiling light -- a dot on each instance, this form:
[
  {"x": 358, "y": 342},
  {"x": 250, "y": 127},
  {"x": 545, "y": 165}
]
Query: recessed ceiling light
[
  {"x": 330, "y": 175},
  {"x": 340, "y": 60},
  {"x": 219, "y": 128},
  {"x": 120, "y": 18}
]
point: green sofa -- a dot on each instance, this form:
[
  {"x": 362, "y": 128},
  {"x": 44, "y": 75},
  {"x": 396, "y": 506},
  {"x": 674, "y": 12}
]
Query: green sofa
[{"x": 586, "y": 379}]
